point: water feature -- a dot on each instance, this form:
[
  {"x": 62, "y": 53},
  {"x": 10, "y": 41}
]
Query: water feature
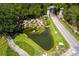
[{"x": 43, "y": 39}]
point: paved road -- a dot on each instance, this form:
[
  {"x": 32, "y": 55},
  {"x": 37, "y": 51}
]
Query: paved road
[
  {"x": 16, "y": 48},
  {"x": 74, "y": 44}
]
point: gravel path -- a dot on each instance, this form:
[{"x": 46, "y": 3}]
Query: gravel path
[
  {"x": 74, "y": 44},
  {"x": 15, "y": 47}
]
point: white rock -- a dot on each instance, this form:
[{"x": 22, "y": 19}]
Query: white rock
[
  {"x": 75, "y": 31},
  {"x": 60, "y": 43},
  {"x": 73, "y": 51},
  {"x": 44, "y": 54},
  {"x": 33, "y": 30},
  {"x": 55, "y": 32},
  {"x": 57, "y": 47}
]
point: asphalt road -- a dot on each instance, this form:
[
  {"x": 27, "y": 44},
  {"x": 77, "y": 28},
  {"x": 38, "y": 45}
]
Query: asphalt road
[{"x": 74, "y": 44}]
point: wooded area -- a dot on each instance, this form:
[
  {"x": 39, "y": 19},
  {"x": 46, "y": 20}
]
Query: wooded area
[{"x": 13, "y": 15}]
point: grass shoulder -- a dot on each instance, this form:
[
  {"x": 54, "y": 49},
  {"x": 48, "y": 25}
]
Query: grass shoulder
[{"x": 69, "y": 29}]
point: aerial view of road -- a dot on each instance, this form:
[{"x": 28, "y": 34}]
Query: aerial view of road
[
  {"x": 74, "y": 44},
  {"x": 48, "y": 29}
]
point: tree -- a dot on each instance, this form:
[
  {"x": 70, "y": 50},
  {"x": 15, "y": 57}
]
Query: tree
[
  {"x": 71, "y": 13},
  {"x": 13, "y": 15},
  {"x": 58, "y": 6}
]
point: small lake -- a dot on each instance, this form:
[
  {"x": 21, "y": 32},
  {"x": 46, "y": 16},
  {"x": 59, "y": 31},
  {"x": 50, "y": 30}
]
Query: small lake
[{"x": 43, "y": 39}]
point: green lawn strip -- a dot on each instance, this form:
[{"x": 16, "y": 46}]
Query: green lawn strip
[
  {"x": 52, "y": 31},
  {"x": 10, "y": 52},
  {"x": 59, "y": 37},
  {"x": 69, "y": 29},
  {"x": 29, "y": 49},
  {"x": 4, "y": 50},
  {"x": 29, "y": 46}
]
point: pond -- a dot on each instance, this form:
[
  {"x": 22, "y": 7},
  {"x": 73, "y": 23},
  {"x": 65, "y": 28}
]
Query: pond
[{"x": 43, "y": 39}]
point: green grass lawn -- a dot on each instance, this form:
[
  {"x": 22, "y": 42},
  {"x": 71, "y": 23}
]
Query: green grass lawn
[
  {"x": 57, "y": 37},
  {"x": 28, "y": 45},
  {"x": 69, "y": 29},
  {"x": 5, "y": 50},
  {"x": 10, "y": 52}
]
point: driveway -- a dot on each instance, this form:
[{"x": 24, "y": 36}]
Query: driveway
[{"x": 15, "y": 47}]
